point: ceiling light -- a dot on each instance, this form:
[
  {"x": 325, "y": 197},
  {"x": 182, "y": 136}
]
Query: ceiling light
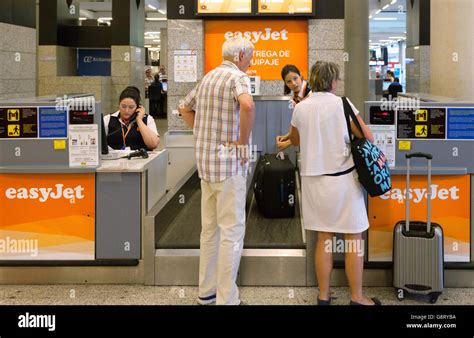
[
  {"x": 82, "y": 19},
  {"x": 162, "y": 11},
  {"x": 385, "y": 19},
  {"x": 378, "y": 11},
  {"x": 393, "y": 2},
  {"x": 385, "y": 7},
  {"x": 152, "y": 7},
  {"x": 105, "y": 19}
]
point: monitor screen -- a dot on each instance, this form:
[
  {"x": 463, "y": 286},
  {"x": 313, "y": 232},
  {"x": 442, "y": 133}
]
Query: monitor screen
[
  {"x": 104, "y": 144},
  {"x": 215, "y": 7},
  {"x": 290, "y": 7}
]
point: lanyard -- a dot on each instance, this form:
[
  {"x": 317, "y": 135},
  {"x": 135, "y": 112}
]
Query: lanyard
[{"x": 124, "y": 136}]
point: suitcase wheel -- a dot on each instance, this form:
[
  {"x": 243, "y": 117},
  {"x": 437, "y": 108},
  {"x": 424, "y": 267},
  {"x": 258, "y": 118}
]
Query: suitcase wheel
[{"x": 400, "y": 294}]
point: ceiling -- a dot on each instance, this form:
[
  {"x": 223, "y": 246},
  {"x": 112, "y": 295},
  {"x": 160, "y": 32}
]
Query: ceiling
[
  {"x": 389, "y": 25},
  {"x": 155, "y": 12}
]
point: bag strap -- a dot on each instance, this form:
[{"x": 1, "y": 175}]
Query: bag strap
[{"x": 349, "y": 112}]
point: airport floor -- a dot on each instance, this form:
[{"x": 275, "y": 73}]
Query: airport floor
[{"x": 153, "y": 295}]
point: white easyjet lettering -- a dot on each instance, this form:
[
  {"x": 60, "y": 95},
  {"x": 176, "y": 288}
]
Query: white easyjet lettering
[
  {"x": 417, "y": 195},
  {"x": 43, "y": 194},
  {"x": 255, "y": 37}
]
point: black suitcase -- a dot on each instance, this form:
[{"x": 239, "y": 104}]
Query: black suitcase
[{"x": 274, "y": 186}]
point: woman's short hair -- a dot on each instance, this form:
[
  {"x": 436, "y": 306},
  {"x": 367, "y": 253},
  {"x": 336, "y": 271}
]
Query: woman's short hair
[
  {"x": 131, "y": 92},
  {"x": 284, "y": 72},
  {"x": 232, "y": 47},
  {"x": 322, "y": 75}
]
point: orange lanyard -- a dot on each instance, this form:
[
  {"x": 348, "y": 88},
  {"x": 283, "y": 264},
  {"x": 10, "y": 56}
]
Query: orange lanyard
[{"x": 124, "y": 136}]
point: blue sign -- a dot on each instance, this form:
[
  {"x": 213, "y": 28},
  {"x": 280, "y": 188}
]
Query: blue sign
[
  {"x": 52, "y": 122},
  {"x": 94, "y": 62},
  {"x": 460, "y": 124}
]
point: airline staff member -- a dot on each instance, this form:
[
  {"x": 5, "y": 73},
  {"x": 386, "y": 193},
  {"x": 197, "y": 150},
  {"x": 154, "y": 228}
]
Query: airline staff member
[
  {"x": 130, "y": 127},
  {"x": 300, "y": 90}
]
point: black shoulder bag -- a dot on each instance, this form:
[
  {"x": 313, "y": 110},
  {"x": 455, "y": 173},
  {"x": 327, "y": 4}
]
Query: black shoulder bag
[{"x": 370, "y": 162}]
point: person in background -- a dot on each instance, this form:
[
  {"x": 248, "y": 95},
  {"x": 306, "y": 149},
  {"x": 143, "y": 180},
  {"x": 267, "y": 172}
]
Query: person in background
[
  {"x": 394, "y": 88},
  {"x": 155, "y": 94},
  {"x": 162, "y": 70},
  {"x": 332, "y": 197},
  {"x": 148, "y": 80},
  {"x": 221, "y": 111},
  {"x": 130, "y": 127},
  {"x": 299, "y": 90}
]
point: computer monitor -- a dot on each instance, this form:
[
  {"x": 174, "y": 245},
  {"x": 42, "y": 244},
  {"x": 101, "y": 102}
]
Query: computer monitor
[{"x": 105, "y": 146}]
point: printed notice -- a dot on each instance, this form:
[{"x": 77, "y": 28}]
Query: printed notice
[
  {"x": 384, "y": 139},
  {"x": 461, "y": 123},
  {"x": 52, "y": 122},
  {"x": 18, "y": 122},
  {"x": 424, "y": 123},
  {"x": 185, "y": 66},
  {"x": 83, "y": 146}
]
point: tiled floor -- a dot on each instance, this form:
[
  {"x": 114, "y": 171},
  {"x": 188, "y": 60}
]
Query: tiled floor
[{"x": 151, "y": 295}]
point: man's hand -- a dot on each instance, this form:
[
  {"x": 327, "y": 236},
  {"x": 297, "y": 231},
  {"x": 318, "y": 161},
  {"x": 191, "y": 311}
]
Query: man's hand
[
  {"x": 283, "y": 141},
  {"x": 242, "y": 151}
]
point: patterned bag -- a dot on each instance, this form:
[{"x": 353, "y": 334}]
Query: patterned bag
[{"x": 369, "y": 161}]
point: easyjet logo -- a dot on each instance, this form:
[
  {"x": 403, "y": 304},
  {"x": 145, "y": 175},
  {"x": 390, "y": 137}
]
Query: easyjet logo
[
  {"x": 417, "y": 195},
  {"x": 44, "y": 194},
  {"x": 255, "y": 37}
]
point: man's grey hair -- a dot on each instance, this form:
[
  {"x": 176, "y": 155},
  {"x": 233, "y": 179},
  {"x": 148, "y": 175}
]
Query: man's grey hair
[{"x": 232, "y": 48}]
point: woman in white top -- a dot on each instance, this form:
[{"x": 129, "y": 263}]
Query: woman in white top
[{"x": 332, "y": 197}]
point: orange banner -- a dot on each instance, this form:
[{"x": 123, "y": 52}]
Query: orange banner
[
  {"x": 285, "y": 6},
  {"x": 277, "y": 43},
  {"x": 450, "y": 208},
  {"x": 47, "y": 216}
]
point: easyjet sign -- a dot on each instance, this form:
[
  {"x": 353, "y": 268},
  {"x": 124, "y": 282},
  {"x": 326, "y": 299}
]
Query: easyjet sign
[
  {"x": 276, "y": 42},
  {"x": 254, "y": 37},
  {"x": 44, "y": 194},
  {"x": 417, "y": 195}
]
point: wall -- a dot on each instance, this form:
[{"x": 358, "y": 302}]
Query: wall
[
  {"x": 452, "y": 48},
  {"x": 17, "y": 61}
]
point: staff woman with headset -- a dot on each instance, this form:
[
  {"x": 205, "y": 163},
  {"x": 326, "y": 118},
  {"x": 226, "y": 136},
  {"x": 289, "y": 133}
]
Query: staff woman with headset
[
  {"x": 300, "y": 90},
  {"x": 130, "y": 127}
]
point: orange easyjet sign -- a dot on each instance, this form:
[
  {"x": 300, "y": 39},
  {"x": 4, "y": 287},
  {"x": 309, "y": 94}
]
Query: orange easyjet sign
[
  {"x": 47, "y": 216},
  {"x": 450, "y": 208},
  {"x": 277, "y": 43}
]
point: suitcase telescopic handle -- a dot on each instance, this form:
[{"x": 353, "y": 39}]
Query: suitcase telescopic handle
[
  {"x": 420, "y": 155},
  {"x": 429, "y": 157}
]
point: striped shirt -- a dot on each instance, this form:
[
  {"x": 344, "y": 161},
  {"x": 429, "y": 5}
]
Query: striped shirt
[{"x": 217, "y": 121}]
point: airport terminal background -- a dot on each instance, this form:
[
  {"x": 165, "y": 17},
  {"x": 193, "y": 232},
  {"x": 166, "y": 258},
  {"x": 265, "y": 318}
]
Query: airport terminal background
[{"x": 70, "y": 52}]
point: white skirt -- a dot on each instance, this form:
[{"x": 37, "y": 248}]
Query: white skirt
[{"x": 334, "y": 204}]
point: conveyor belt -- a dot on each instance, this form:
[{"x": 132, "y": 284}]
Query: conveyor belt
[{"x": 178, "y": 226}]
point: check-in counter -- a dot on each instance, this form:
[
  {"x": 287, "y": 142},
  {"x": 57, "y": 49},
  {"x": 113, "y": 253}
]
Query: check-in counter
[
  {"x": 67, "y": 215},
  {"x": 445, "y": 130}
]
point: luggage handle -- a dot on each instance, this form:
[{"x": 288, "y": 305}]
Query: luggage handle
[
  {"x": 419, "y": 155},
  {"x": 429, "y": 157}
]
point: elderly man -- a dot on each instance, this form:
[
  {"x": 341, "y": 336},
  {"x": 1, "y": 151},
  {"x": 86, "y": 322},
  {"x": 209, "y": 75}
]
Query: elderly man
[{"x": 221, "y": 111}]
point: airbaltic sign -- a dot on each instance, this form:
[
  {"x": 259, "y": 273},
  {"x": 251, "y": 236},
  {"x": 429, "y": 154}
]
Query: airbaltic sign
[{"x": 277, "y": 43}]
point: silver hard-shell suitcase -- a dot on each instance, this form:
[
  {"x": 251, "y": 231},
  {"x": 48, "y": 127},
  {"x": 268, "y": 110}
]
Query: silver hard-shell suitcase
[{"x": 418, "y": 255}]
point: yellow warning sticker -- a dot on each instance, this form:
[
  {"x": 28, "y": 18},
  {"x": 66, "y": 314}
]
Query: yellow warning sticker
[
  {"x": 13, "y": 115},
  {"x": 14, "y": 130},
  {"x": 421, "y": 130},
  {"x": 59, "y": 144},
  {"x": 404, "y": 145}
]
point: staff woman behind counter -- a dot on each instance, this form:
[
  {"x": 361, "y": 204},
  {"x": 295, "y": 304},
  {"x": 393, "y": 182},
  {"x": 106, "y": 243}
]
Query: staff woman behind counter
[
  {"x": 130, "y": 127},
  {"x": 300, "y": 90}
]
